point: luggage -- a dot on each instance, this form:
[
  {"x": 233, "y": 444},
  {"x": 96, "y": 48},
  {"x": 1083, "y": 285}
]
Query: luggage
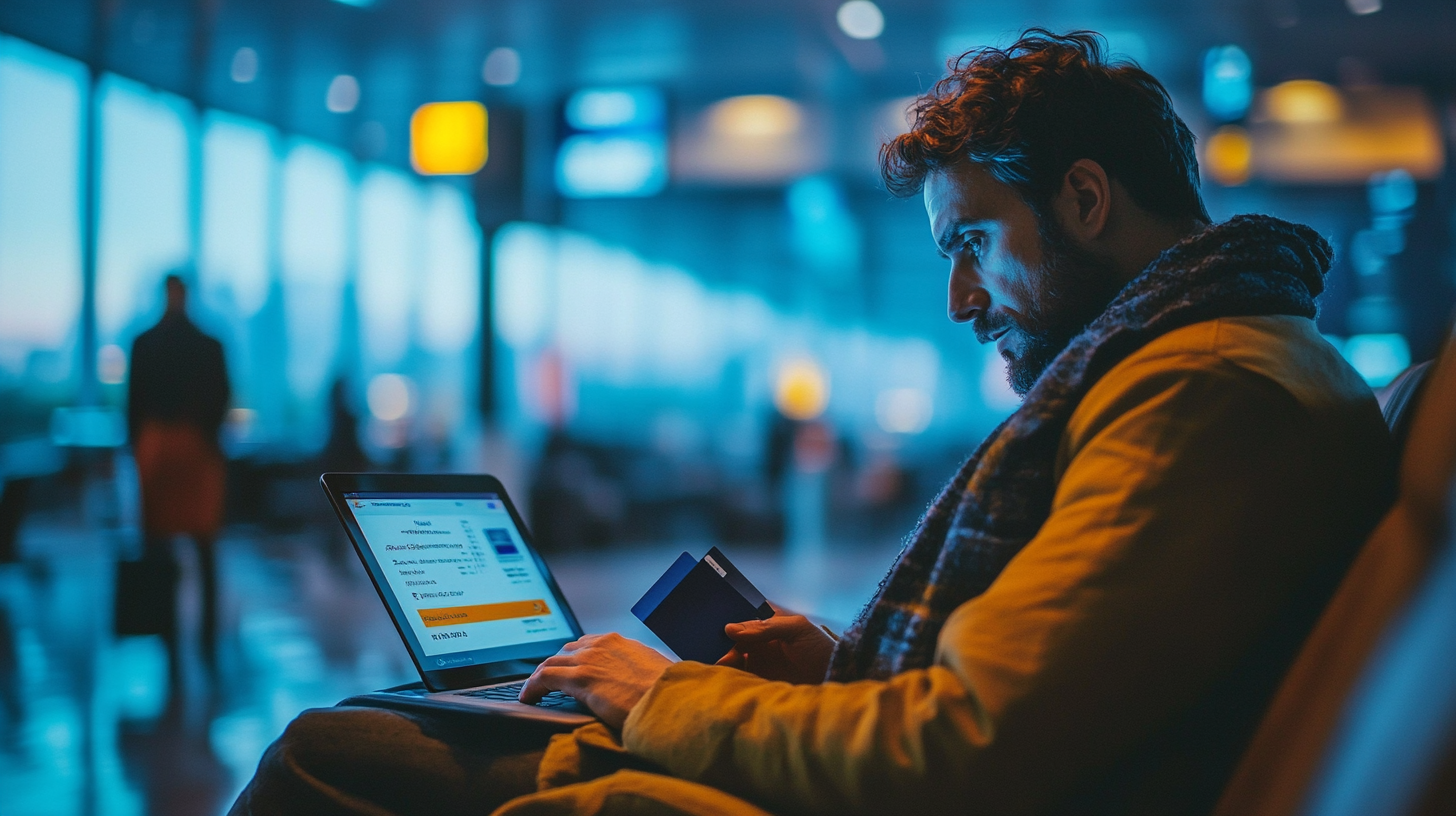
[{"x": 146, "y": 596}]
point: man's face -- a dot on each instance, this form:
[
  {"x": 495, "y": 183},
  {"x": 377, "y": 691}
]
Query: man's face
[{"x": 1018, "y": 281}]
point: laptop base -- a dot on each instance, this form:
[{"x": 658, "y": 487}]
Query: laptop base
[{"x": 415, "y": 698}]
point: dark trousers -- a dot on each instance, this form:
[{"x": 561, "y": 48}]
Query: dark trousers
[{"x": 375, "y": 761}]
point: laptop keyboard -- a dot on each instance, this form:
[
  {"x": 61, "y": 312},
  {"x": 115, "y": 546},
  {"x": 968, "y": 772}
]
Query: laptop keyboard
[{"x": 511, "y": 693}]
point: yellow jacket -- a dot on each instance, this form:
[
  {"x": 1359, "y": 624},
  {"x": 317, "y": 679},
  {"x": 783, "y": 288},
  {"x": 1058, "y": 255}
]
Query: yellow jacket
[{"x": 1212, "y": 487}]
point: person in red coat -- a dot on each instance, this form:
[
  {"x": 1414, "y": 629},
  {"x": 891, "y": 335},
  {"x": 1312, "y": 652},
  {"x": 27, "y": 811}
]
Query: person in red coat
[{"x": 176, "y": 399}]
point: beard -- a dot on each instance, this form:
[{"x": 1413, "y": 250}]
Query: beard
[{"x": 1070, "y": 290}]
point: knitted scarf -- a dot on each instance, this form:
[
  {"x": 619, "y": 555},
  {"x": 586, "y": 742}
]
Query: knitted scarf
[{"x": 1248, "y": 266}]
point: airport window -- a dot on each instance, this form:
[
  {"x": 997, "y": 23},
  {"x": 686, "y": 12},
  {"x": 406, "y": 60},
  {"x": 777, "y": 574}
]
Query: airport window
[
  {"x": 41, "y": 98},
  {"x": 144, "y": 223}
]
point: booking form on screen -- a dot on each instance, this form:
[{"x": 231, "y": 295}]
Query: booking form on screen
[{"x": 459, "y": 570}]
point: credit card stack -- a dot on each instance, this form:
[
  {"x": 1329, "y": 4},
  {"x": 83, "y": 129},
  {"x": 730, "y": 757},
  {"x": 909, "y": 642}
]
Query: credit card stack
[{"x": 692, "y": 602}]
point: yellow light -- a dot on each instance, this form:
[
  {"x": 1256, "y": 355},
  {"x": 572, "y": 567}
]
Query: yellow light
[
  {"x": 802, "y": 389},
  {"x": 1229, "y": 155},
  {"x": 755, "y": 117},
  {"x": 1303, "y": 102},
  {"x": 448, "y": 138}
]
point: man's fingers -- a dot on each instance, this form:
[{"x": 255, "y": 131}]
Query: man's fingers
[
  {"x": 775, "y": 628},
  {"x": 547, "y": 679},
  {"x": 734, "y": 659}
]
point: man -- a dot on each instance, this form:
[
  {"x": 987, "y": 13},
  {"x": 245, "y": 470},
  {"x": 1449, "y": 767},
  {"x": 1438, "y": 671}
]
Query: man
[
  {"x": 1093, "y": 613},
  {"x": 176, "y": 398}
]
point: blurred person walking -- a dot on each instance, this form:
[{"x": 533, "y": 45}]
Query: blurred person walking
[{"x": 176, "y": 398}]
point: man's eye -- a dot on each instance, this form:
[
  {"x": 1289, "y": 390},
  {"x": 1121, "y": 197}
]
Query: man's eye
[{"x": 974, "y": 243}]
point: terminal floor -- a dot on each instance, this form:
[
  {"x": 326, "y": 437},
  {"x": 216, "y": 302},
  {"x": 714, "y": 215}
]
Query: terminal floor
[{"x": 92, "y": 724}]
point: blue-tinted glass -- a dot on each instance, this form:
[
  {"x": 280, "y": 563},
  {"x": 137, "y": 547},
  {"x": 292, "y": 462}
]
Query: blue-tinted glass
[
  {"x": 144, "y": 229},
  {"x": 40, "y": 243},
  {"x": 237, "y": 171},
  {"x": 314, "y": 249},
  {"x": 390, "y": 253},
  {"x": 449, "y": 295}
]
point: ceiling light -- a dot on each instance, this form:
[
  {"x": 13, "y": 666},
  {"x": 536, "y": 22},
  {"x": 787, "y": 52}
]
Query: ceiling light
[
  {"x": 343, "y": 94},
  {"x": 862, "y": 19},
  {"x": 388, "y": 397},
  {"x": 1303, "y": 102},
  {"x": 1229, "y": 155},
  {"x": 244, "y": 68},
  {"x": 755, "y": 117},
  {"x": 502, "y": 67}
]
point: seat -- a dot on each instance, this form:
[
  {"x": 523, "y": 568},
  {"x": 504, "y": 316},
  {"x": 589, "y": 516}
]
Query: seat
[{"x": 1304, "y": 728}]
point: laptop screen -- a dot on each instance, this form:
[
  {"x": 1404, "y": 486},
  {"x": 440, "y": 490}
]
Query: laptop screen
[{"x": 467, "y": 590}]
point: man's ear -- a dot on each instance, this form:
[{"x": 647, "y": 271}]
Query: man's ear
[{"x": 1084, "y": 203}]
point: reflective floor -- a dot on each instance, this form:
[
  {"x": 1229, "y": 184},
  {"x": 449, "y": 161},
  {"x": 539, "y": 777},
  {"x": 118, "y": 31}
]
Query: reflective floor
[{"x": 93, "y": 724}]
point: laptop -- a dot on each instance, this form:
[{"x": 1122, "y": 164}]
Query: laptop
[{"x": 473, "y": 601}]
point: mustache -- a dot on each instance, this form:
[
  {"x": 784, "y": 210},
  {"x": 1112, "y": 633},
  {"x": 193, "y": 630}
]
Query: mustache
[{"x": 987, "y": 326}]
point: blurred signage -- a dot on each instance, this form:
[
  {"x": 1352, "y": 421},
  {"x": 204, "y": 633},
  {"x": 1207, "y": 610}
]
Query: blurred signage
[
  {"x": 448, "y": 138},
  {"x": 614, "y": 143}
]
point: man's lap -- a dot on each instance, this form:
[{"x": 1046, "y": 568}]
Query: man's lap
[{"x": 375, "y": 761}]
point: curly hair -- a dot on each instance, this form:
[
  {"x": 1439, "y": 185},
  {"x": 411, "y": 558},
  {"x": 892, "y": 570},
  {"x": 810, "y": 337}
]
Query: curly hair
[{"x": 1027, "y": 112}]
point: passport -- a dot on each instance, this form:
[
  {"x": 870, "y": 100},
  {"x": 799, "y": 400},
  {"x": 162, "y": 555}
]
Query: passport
[{"x": 692, "y": 602}]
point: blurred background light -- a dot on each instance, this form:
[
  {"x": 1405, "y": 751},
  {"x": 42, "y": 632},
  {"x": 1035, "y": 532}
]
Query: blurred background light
[
  {"x": 343, "y": 95},
  {"x": 388, "y": 397},
  {"x": 596, "y": 166},
  {"x": 758, "y": 116},
  {"x": 801, "y": 388},
  {"x": 615, "y": 143},
  {"x": 1228, "y": 82},
  {"x": 860, "y": 19},
  {"x": 1310, "y": 132},
  {"x": 448, "y": 138},
  {"x": 1392, "y": 193},
  {"x": 1228, "y": 155},
  {"x": 613, "y": 108},
  {"x": 1363, "y": 7},
  {"x": 826, "y": 236},
  {"x": 1303, "y": 102},
  {"x": 111, "y": 364},
  {"x": 502, "y": 67},
  {"x": 1378, "y": 357},
  {"x": 244, "y": 67},
  {"x": 903, "y": 410}
]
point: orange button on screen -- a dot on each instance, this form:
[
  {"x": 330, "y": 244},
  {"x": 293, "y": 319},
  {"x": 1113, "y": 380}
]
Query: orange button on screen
[{"x": 479, "y": 613}]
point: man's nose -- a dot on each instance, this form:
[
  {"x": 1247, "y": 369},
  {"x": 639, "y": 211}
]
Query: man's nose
[{"x": 968, "y": 299}]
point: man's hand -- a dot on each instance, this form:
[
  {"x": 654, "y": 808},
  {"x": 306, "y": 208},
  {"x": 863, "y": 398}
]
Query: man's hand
[
  {"x": 784, "y": 647},
  {"x": 607, "y": 673}
]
